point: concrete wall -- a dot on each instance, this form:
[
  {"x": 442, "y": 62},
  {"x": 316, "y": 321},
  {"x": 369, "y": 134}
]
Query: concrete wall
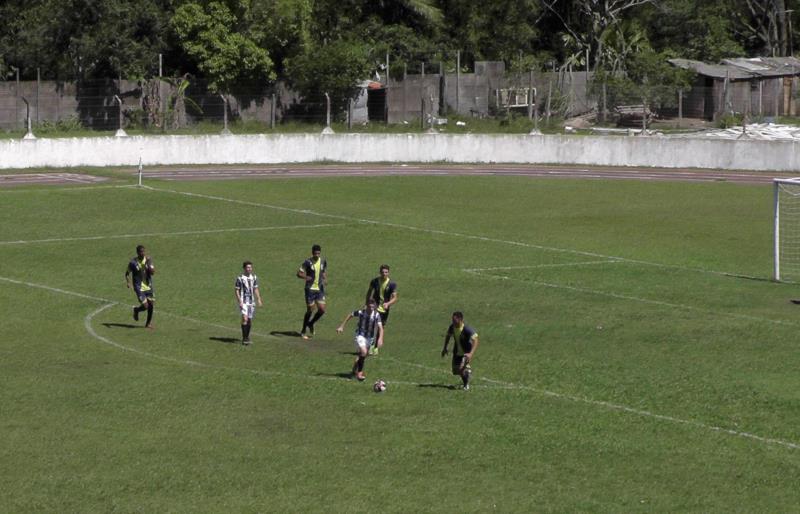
[{"x": 296, "y": 148}]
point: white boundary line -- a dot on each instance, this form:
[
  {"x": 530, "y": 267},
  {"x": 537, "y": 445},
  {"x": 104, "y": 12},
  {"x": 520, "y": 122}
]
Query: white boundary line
[
  {"x": 660, "y": 303},
  {"x": 17, "y": 188},
  {"x": 507, "y": 385},
  {"x": 537, "y": 266},
  {"x": 442, "y": 232},
  {"x": 166, "y": 234}
]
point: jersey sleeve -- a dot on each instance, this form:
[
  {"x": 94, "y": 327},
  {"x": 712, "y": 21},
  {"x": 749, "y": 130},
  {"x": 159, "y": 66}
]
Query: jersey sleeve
[
  {"x": 356, "y": 313},
  {"x": 238, "y": 284},
  {"x": 450, "y": 330},
  {"x": 255, "y": 282}
]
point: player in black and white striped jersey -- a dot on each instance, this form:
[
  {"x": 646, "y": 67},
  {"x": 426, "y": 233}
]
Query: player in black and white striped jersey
[
  {"x": 247, "y": 294},
  {"x": 369, "y": 332}
]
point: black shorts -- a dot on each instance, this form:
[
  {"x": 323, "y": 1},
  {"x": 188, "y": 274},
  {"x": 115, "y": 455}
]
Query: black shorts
[
  {"x": 315, "y": 296},
  {"x": 458, "y": 360},
  {"x": 143, "y": 296},
  {"x": 384, "y": 317}
]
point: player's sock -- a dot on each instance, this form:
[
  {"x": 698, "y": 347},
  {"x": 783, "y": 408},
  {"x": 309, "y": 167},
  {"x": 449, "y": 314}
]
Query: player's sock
[
  {"x": 466, "y": 378},
  {"x": 360, "y": 363},
  {"x": 316, "y": 318},
  {"x": 247, "y": 328},
  {"x": 149, "y": 314},
  {"x": 244, "y": 332},
  {"x": 136, "y": 311},
  {"x": 306, "y": 318}
]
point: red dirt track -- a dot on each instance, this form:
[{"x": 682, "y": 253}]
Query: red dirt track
[{"x": 364, "y": 170}]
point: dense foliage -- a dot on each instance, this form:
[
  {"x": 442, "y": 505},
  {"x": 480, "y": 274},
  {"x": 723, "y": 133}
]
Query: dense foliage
[{"x": 228, "y": 42}]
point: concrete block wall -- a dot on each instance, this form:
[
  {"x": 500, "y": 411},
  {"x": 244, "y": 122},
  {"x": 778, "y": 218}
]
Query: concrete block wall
[{"x": 775, "y": 156}]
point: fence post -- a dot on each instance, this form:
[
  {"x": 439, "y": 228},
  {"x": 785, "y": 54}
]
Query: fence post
[
  {"x": 530, "y": 96},
  {"x": 422, "y": 112},
  {"x": 549, "y": 96},
  {"x": 442, "y": 89},
  {"x": 272, "y": 113},
  {"x": 604, "y": 110},
  {"x": 120, "y": 131},
  {"x": 405, "y": 90},
  {"x": 16, "y": 97},
  {"x": 680, "y": 107},
  {"x": 458, "y": 80},
  {"x": 327, "y": 129},
  {"x": 225, "y": 131},
  {"x": 760, "y": 98},
  {"x": 350, "y": 114},
  {"x": 29, "y": 134},
  {"x": 38, "y": 88}
]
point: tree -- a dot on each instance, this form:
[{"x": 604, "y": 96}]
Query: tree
[
  {"x": 224, "y": 55},
  {"x": 336, "y": 69}
]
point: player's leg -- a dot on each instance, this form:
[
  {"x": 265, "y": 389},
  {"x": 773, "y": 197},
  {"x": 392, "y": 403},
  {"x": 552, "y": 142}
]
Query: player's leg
[
  {"x": 142, "y": 299},
  {"x": 362, "y": 344},
  {"x": 309, "y": 313},
  {"x": 374, "y": 349},
  {"x": 320, "y": 304},
  {"x": 150, "y": 307},
  {"x": 466, "y": 376}
]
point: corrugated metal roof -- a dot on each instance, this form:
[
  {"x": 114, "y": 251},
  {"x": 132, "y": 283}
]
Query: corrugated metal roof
[
  {"x": 741, "y": 68},
  {"x": 717, "y": 71}
]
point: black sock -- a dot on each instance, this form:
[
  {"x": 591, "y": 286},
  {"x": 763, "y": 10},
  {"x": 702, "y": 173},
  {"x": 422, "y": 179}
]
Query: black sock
[
  {"x": 305, "y": 321},
  {"x": 149, "y": 314},
  {"x": 316, "y": 317},
  {"x": 244, "y": 331},
  {"x": 247, "y": 328},
  {"x": 360, "y": 363}
]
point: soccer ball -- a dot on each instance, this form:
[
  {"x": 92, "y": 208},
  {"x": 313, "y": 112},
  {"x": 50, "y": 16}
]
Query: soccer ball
[{"x": 379, "y": 386}]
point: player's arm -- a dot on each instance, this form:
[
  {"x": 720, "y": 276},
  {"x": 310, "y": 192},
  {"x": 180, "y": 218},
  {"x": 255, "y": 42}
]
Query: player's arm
[
  {"x": 258, "y": 296},
  {"x": 469, "y": 355},
  {"x": 128, "y": 277},
  {"x": 392, "y": 300},
  {"x": 301, "y": 273},
  {"x": 447, "y": 340},
  {"x": 369, "y": 293},
  {"x": 340, "y": 328},
  {"x": 238, "y": 292}
]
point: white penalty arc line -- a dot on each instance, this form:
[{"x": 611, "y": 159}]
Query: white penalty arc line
[
  {"x": 444, "y": 232},
  {"x": 167, "y": 234},
  {"x": 507, "y": 385},
  {"x": 56, "y": 190}
]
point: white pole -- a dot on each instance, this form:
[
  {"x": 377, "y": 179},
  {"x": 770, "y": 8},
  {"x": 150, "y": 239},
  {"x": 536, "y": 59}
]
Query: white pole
[
  {"x": 776, "y": 231},
  {"x": 140, "y": 171}
]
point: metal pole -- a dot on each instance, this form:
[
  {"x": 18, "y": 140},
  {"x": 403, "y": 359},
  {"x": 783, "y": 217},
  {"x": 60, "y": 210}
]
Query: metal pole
[
  {"x": 442, "y": 88},
  {"x": 549, "y": 96},
  {"x": 405, "y": 90},
  {"x": 604, "y": 113},
  {"x": 350, "y": 115},
  {"x": 16, "y": 97},
  {"x": 120, "y": 131},
  {"x": 272, "y": 113},
  {"x": 422, "y": 112},
  {"x": 225, "y": 130},
  {"x": 387, "y": 69},
  {"x": 680, "y": 107},
  {"x": 776, "y": 231},
  {"x": 423, "y": 69},
  {"x": 760, "y": 98},
  {"x": 530, "y": 95},
  {"x": 29, "y": 134},
  {"x": 327, "y": 129},
  {"x": 458, "y": 79},
  {"x": 38, "y": 88},
  {"x": 160, "y": 65}
]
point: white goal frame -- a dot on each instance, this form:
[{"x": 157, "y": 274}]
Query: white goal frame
[{"x": 778, "y": 183}]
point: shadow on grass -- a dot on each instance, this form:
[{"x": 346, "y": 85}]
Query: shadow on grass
[
  {"x": 228, "y": 340},
  {"x": 120, "y": 325},
  {"x": 285, "y": 333},
  {"x": 346, "y": 376},
  {"x": 438, "y": 386}
]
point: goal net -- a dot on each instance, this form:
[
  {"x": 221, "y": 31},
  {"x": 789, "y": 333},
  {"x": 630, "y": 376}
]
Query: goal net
[{"x": 787, "y": 230}]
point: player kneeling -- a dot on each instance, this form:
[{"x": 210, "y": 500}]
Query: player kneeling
[{"x": 369, "y": 332}]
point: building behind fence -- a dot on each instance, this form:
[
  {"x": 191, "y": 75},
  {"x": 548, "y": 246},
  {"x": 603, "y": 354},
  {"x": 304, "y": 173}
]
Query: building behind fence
[{"x": 763, "y": 88}]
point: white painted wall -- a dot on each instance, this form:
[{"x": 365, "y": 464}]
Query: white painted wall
[{"x": 354, "y": 148}]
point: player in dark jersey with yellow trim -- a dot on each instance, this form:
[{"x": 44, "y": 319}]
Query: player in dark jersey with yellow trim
[
  {"x": 141, "y": 270},
  {"x": 384, "y": 291},
  {"x": 314, "y": 271},
  {"x": 465, "y": 342}
]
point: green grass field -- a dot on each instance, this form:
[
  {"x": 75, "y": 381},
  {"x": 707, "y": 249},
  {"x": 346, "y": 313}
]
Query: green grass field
[{"x": 634, "y": 356}]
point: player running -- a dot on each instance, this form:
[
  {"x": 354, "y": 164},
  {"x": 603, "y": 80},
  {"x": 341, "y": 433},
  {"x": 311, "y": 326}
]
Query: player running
[
  {"x": 247, "y": 294},
  {"x": 465, "y": 342},
  {"x": 141, "y": 270},
  {"x": 384, "y": 291},
  {"x": 369, "y": 324},
  {"x": 314, "y": 271}
]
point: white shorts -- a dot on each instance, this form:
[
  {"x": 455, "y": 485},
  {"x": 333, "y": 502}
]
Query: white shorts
[
  {"x": 363, "y": 342},
  {"x": 249, "y": 310}
]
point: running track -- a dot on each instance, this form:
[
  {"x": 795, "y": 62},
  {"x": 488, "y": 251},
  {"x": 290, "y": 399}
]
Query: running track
[{"x": 301, "y": 171}]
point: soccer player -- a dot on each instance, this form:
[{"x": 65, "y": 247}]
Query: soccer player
[
  {"x": 384, "y": 291},
  {"x": 314, "y": 271},
  {"x": 247, "y": 294},
  {"x": 465, "y": 342},
  {"x": 139, "y": 273},
  {"x": 369, "y": 325}
]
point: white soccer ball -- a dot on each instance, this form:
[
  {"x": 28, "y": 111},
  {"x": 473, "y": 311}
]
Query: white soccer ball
[{"x": 379, "y": 386}]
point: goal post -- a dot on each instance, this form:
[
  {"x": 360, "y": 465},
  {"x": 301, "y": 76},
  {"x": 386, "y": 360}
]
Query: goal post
[{"x": 786, "y": 239}]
